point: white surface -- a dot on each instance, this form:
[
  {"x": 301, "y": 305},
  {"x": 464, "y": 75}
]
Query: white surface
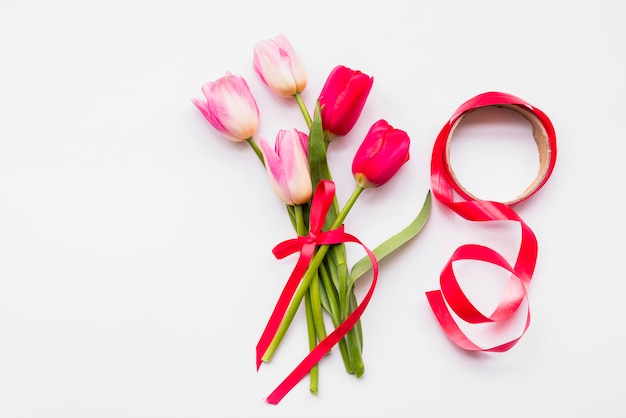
[{"x": 136, "y": 272}]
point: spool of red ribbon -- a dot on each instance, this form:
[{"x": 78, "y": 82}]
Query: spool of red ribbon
[{"x": 450, "y": 296}]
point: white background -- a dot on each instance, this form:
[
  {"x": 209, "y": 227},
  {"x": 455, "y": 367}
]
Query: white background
[{"x": 136, "y": 272}]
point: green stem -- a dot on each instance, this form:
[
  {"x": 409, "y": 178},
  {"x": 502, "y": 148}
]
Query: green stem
[
  {"x": 335, "y": 314},
  {"x": 353, "y": 343},
  {"x": 312, "y": 304},
  {"x": 342, "y": 272},
  {"x": 301, "y": 228},
  {"x": 314, "y": 372},
  {"x": 308, "y": 276},
  {"x": 354, "y": 353},
  {"x": 256, "y": 149},
  {"x": 346, "y": 293},
  {"x": 316, "y": 308},
  {"x": 345, "y": 290},
  {"x": 303, "y": 109}
]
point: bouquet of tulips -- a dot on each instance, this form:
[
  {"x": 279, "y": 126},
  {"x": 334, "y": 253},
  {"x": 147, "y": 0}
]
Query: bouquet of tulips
[{"x": 299, "y": 174}]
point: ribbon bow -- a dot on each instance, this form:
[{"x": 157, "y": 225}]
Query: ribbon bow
[{"x": 306, "y": 245}]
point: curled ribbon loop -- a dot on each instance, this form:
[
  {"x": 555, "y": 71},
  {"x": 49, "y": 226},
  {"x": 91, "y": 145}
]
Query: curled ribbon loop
[
  {"x": 320, "y": 204},
  {"x": 443, "y": 182}
]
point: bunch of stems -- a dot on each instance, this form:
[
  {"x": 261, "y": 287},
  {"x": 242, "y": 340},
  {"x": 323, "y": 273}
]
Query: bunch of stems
[{"x": 326, "y": 285}]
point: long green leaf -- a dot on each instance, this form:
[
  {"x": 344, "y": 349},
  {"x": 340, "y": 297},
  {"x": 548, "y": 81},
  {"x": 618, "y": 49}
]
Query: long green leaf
[
  {"x": 393, "y": 243},
  {"x": 317, "y": 149},
  {"x": 318, "y": 163}
]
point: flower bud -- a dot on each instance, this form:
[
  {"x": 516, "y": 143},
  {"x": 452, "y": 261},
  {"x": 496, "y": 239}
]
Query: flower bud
[
  {"x": 230, "y": 107},
  {"x": 287, "y": 166},
  {"x": 342, "y": 99},
  {"x": 276, "y": 62},
  {"x": 383, "y": 151}
]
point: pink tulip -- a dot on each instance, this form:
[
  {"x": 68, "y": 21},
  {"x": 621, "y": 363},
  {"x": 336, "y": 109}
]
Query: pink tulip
[
  {"x": 383, "y": 151},
  {"x": 230, "y": 107},
  {"x": 287, "y": 166},
  {"x": 342, "y": 99},
  {"x": 276, "y": 62}
]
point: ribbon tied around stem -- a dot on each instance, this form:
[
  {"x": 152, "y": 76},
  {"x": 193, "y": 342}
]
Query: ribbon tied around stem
[{"x": 306, "y": 245}]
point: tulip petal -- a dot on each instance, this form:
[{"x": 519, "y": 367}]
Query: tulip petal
[
  {"x": 342, "y": 99},
  {"x": 383, "y": 151},
  {"x": 230, "y": 107},
  {"x": 287, "y": 167},
  {"x": 278, "y": 66}
]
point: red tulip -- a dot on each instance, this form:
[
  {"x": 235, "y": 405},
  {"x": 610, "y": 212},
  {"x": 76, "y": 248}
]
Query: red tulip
[
  {"x": 342, "y": 99},
  {"x": 383, "y": 151}
]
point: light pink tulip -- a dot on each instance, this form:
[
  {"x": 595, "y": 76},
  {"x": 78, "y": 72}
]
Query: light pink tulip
[
  {"x": 230, "y": 107},
  {"x": 278, "y": 65},
  {"x": 287, "y": 166}
]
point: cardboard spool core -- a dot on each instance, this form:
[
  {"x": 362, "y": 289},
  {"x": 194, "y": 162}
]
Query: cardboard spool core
[{"x": 541, "y": 139}]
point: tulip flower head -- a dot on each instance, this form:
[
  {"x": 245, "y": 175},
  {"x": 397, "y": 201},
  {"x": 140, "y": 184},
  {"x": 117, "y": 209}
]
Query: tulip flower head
[
  {"x": 279, "y": 67},
  {"x": 342, "y": 99},
  {"x": 383, "y": 151},
  {"x": 287, "y": 166},
  {"x": 230, "y": 107}
]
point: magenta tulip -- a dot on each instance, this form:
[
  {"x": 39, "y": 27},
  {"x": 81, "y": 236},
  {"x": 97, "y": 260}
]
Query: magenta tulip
[
  {"x": 230, "y": 107},
  {"x": 287, "y": 166},
  {"x": 279, "y": 67},
  {"x": 383, "y": 151},
  {"x": 342, "y": 99}
]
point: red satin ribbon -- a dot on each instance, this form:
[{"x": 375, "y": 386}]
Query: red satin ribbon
[
  {"x": 443, "y": 182},
  {"x": 322, "y": 199}
]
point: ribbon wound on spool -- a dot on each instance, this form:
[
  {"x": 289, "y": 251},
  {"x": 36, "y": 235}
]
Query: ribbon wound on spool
[{"x": 450, "y": 296}]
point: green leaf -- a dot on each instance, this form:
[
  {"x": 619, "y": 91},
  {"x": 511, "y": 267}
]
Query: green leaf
[
  {"x": 324, "y": 299},
  {"x": 318, "y": 164},
  {"x": 393, "y": 243},
  {"x": 317, "y": 149}
]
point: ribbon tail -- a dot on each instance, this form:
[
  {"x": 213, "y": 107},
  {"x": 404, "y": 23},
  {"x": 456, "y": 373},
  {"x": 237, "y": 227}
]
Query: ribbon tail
[
  {"x": 282, "y": 305},
  {"x": 331, "y": 340},
  {"x": 456, "y": 335},
  {"x": 452, "y": 330},
  {"x": 320, "y": 203}
]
